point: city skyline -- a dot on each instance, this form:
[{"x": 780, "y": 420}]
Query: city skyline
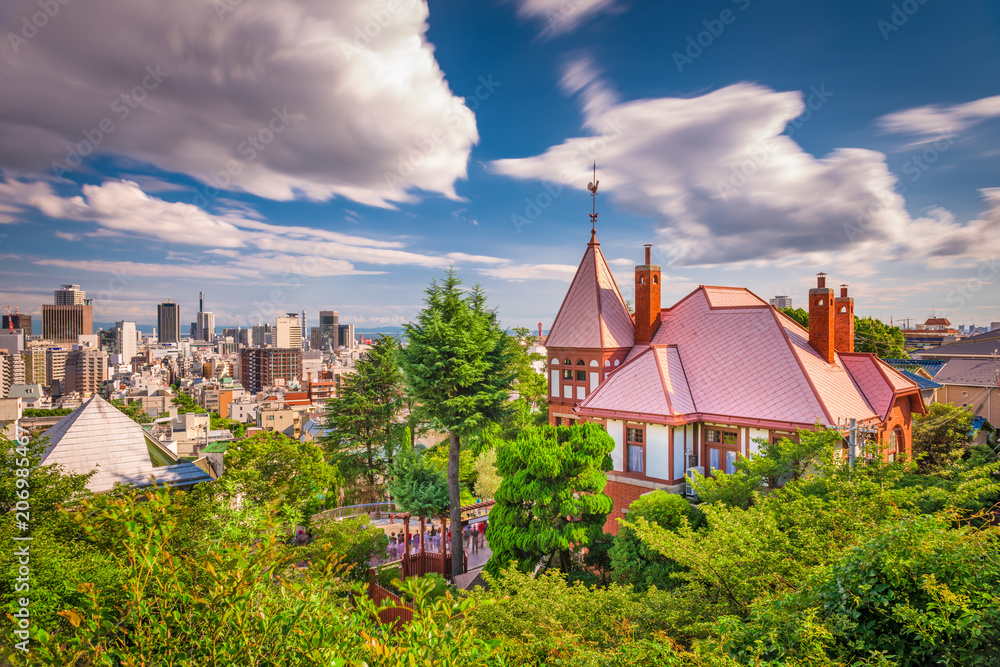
[{"x": 754, "y": 145}]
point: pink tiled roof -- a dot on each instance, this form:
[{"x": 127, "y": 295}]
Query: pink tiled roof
[
  {"x": 593, "y": 314},
  {"x": 864, "y": 369},
  {"x": 637, "y": 388},
  {"x": 728, "y": 297},
  {"x": 725, "y": 352}
]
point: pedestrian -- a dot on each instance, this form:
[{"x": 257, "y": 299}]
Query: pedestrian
[
  {"x": 482, "y": 534},
  {"x": 393, "y": 550},
  {"x": 466, "y": 534}
]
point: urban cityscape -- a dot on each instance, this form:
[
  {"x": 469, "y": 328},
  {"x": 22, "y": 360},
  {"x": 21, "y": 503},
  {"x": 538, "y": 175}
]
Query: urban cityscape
[{"x": 518, "y": 332}]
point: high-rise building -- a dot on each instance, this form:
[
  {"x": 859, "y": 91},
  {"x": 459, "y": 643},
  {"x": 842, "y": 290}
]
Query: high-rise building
[
  {"x": 85, "y": 371},
  {"x": 12, "y": 341},
  {"x": 55, "y": 365},
  {"x": 34, "y": 365},
  {"x": 205, "y": 326},
  {"x": 345, "y": 336},
  {"x": 18, "y": 321},
  {"x": 288, "y": 332},
  {"x": 239, "y": 336},
  {"x": 168, "y": 322},
  {"x": 261, "y": 367},
  {"x": 782, "y": 302},
  {"x": 261, "y": 335},
  {"x": 11, "y": 371},
  {"x": 70, "y": 295},
  {"x": 327, "y": 333},
  {"x": 64, "y": 323},
  {"x": 126, "y": 340}
]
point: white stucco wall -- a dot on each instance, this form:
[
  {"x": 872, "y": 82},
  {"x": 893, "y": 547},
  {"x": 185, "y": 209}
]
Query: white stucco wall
[
  {"x": 617, "y": 431},
  {"x": 679, "y": 452},
  {"x": 658, "y": 451}
]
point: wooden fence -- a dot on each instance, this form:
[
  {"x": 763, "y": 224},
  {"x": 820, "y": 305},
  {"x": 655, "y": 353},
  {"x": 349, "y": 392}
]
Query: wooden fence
[{"x": 397, "y": 614}]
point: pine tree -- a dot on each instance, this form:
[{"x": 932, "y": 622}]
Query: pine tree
[
  {"x": 359, "y": 438},
  {"x": 552, "y": 496},
  {"x": 458, "y": 373}
]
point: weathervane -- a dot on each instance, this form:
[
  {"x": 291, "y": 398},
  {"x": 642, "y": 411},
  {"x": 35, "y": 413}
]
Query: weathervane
[{"x": 592, "y": 186}]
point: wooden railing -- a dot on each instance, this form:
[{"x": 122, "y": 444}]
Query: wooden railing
[{"x": 397, "y": 614}]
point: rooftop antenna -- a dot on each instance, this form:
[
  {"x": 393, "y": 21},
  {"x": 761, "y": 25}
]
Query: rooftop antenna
[{"x": 592, "y": 186}]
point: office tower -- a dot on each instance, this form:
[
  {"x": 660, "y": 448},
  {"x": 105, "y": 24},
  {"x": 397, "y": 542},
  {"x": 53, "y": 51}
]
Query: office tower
[
  {"x": 288, "y": 332},
  {"x": 240, "y": 336},
  {"x": 345, "y": 336},
  {"x": 261, "y": 335},
  {"x": 11, "y": 371},
  {"x": 329, "y": 333},
  {"x": 64, "y": 324},
  {"x": 70, "y": 295},
  {"x": 85, "y": 370},
  {"x": 126, "y": 340},
  {"x": 261, "y": 367},
  {"x": 782, "y": 302},
  {"x": 168, "y": 322},
  {"x": 205, "y": 326},
  {"x": 18, "y": 321}
]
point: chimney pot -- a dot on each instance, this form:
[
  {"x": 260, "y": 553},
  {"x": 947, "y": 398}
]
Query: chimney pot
[
  {"x": 820, "y": 280},
  {"x": 649, "y": 258},
  {"x": 843, "y": 290}
]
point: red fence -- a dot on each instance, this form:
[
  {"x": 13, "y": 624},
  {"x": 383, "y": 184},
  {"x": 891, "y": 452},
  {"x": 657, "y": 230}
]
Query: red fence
[{"x": 399, "y": 613}]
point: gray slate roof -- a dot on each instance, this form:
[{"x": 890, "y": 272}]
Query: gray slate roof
[
  {"x": 969, "y": 372},
  {"x": 982, "y": 345},
  {"x": 98, "y": 436}
]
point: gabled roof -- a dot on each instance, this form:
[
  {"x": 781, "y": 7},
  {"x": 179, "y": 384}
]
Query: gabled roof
[
  {"x": 921, "y": 382},
  {"x": 593, "y": 314},
  {"x": 932, "y": 366},
  {"x": 97, "y": 436},
  {"x": 724, "y": 352}
]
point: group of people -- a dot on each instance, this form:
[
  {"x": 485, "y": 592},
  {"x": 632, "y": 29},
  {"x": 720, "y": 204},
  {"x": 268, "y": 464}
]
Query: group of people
[{"x": 473, "y": 539}]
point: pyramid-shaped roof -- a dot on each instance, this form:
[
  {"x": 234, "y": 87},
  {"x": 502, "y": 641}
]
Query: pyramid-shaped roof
[
  {"x": 98, "y": 436},
  {"x": 593, "y": 314}
]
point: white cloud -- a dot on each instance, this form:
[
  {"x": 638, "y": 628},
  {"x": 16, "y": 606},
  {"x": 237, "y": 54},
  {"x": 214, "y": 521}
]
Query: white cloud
[
  {"x": 560, "y": 16},
  {"x": 523, "y": 272},
  {"x": 122, "y": 208},
  {"x": 934, "y": 120},
  {"x": 727, "y": 187},
  {"x": 301, "y": 98}
]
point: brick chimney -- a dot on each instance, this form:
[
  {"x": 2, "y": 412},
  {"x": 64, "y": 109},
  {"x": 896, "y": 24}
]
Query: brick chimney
[
  {"x": 844, "y": 321},
  {"x": 647, "y": 299},
  {"x": 821, "y": 331}
]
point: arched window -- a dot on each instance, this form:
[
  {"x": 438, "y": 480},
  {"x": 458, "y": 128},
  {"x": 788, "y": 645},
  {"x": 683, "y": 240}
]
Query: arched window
[
  {"x": 820, "y": 302},
  {"x": 581, "y": 376},
  {"x": 656, "y": 280},
  {"x": 843, "y": 309},
  {"x": 567, "y": 362},
  {"x": 642, "y": 280}
]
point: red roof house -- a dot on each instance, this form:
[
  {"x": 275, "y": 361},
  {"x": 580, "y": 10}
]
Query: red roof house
[{"x": 696, "y": 385}]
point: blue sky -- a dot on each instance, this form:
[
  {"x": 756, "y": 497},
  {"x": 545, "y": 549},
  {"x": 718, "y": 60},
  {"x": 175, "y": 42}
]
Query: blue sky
[{"x": 308, "y": 154}]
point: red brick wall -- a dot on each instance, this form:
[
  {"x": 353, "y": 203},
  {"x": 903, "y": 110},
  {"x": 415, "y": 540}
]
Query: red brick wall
[
  {"x": 901, "y": 416},
  {"x": 647, "y": 303},
  {"x": 821, "y": 335},
  {"x": 844, "y": 324},
  {"x": 622, "y": 495}
]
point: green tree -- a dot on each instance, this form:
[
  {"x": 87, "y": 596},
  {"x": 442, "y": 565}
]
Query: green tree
[
  {"x": 552, "y": 496},
  {"x": 418, "y": 486},
  {"x": 797, "y": 314},
  {"x": 271, "y": 467},
  {"x": 870, "y": 335},
  {"x": 359, "y": 426},
  {"x": 531, "y": 385},
  {"x": 940, "y": 436},
  {"x": 875, "y": 336},
  {"x": 458, "y": 373},
  {"x": 133, "y": 411},
  {"x": 487, "y": 478},
  {"x": 632, "y": 561}
]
